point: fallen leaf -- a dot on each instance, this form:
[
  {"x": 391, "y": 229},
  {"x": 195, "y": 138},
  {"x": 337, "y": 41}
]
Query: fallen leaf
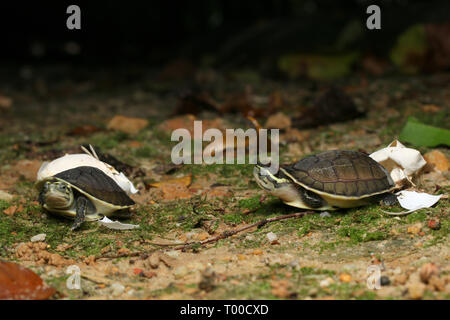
[
  {"x": 430, "y": 108},
  {"x": 83, "y": 130},
  {"x": 278, "y": 121},
  {"x": 344, "y": 277},
  {"x": 174, "y": 188},
  {"x": 19, "y": 283},
  {"x": 10, "y": 211},
  {"x": 281, "y": 289},
  {"x": 5, "y": 102},
  {"x": 127, "y": 125}
]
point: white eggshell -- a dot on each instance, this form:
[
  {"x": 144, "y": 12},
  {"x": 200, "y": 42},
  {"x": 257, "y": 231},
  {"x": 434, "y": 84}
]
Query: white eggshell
[{"x": 401, "y": 162}]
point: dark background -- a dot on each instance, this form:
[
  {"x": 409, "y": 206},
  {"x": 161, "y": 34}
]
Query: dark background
[{"x": 223, "y": 33}]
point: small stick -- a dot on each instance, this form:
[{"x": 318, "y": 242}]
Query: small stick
[{"x": 223, "y": 235}]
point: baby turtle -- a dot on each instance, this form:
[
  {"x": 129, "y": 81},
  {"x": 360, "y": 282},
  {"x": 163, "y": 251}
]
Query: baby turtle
[
  {"x": 328, "y": 181},
  {"x": 83, "y": 193}
]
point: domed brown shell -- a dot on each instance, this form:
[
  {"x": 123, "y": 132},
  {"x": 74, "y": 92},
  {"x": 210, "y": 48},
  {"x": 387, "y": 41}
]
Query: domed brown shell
[
  {"x": 342, "y": 173},
  {"x": 96, "y": 183}
]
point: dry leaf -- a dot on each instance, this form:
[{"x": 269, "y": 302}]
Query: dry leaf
[
  {"x": 174, "y": 188},
  {"x": 127, "y": 125},
  {"x": 10, "y": 211},
  {"x": 279, "y": 121},
  {"x": 19, "y": 283},
  {"x": 83, "y": 130},
  {"x": 5, "y": 102}
]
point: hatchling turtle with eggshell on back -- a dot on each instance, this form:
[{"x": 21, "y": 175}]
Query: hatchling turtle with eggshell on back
[
  {"x": 82, "y": 188},
  {"x": 328, "y": 181}
]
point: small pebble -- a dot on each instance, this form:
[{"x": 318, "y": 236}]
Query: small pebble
[
  {"x": 5, "y": 196},
  {"x": 173, "y": 253},
  {"x": 180, "y": 272},
  {"x": 271, "y": 236},
  {"x": 250, "y": 237},
  {"x": 117, "y": 289},
  {"x": 427, "y": 271},
  {"x": 416, "y": 290},
  {"x": 38, "y": 238},
  {"x": 326, "y": 282}
]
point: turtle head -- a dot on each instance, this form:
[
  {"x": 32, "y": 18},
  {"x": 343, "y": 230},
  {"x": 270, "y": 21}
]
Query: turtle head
[
  {"x": 276, "y": 184},
  {"x": 57, "y": 194}
]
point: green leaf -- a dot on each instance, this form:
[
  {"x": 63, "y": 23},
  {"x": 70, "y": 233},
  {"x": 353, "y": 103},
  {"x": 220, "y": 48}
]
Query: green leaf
[{"x": 420, "y": 134}]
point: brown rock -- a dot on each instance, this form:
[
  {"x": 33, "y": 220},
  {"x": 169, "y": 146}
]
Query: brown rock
[
  {"x": 401, "y": 279},
  {"x": 127, "y": 125},
  {"x": 152, "y": 261},
  {"x": 37, "y": 252},
  {"x": 427, "y": 271},
  {"x": 437, "y": 283},
  {"x": 416, "y": 290},
  {"x": 437, "y": 160}
]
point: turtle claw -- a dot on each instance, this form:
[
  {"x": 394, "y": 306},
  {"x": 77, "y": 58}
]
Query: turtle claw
[{"x": 75, "y": 226}]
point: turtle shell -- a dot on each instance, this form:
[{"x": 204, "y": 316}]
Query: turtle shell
[
  {"x": 94, "y": 182},
  {"x": 344, "y": 174}
]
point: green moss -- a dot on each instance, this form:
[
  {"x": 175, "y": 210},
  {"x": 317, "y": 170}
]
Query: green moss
[
  {"x": 357, "y": 235},
  {"x": 146, "y": 152}
]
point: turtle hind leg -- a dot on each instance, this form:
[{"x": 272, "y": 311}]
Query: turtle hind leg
[
  {"x": 81, "y": 208},
  {"x": 386, "y": 199}
]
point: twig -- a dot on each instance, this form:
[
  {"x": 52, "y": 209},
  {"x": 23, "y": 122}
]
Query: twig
[{"x": 223, "y": 235}]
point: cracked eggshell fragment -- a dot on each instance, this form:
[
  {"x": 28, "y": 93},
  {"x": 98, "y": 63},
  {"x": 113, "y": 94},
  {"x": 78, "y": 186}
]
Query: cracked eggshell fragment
[
  {"x": 412, "y": 200},
  {"x": 116, "y": 225},
  {"x": 401, "y": 162},
  {"x": 70, "y": 161}
]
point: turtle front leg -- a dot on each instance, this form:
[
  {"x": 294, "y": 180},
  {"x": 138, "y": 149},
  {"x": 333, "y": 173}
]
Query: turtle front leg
[
  {"x": 41, "y": 198},
  {"x": 81, "y": 208}
]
